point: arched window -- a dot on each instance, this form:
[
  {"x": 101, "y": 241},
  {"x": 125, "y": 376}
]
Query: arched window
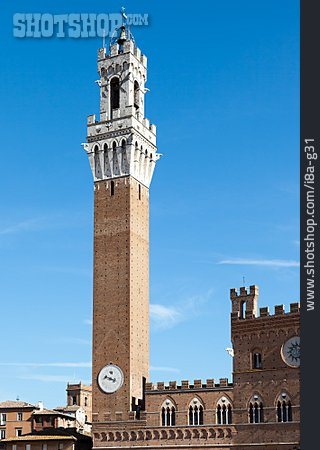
[
  {"x": 256, "y": 410},
  {"x": 168, "y": 414},
  {"x": 97, "y": 165},
  {"x": 136, "y": 95},
  {"x": 195, "y": 412},
  {"x": 256, "y": 360},
  {"x": 284, "y": 408},
  {"x": 114, "y": 93},
  {"x": 224, "y": 411},
  {"x": 115, "y": 164}
]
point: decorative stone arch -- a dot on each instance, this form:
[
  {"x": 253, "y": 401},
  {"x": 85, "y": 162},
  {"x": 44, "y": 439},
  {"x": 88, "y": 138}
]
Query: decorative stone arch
[
  {"x": 203, "y": 434},
  {"x": 195, "y": 411},
  {"x": 187, "y": 434},
  {"x": 179, "y": 434},
  {"x": 172, "y": 434},
  {"x": 255, "y": 409},
  {"x": 224, "y": 410},
  {"x": 115, "y": 162},
  {"x": 196, "y": 433},
  {"x": 220, "y": 433},
  {"x": 164, "y": 434},
  {"x": 97, "y": 163},
  {"x": 124, "y": 161},
  {"x": 168, "y": 413},
  {"x": 104, "y": 436},
  {"x": 283, "y": 405},
  {"x": 133, "y": 436},
  {"x": 148, "y": 435},
  {"x": 125, "y": 436},
  {"x": 110, "y": 436},
  {"x": 118, "y": 436},
  {"x": 156, "y": 435},
  {"x": 140, "y": 435}
]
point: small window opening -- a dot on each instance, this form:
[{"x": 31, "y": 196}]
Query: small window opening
[
  {"x": 136, "y": 95},
  {"x": 114, "y": 93},
  {"x": 112, "y": 187},
  {"x": 256, "y": 360}
]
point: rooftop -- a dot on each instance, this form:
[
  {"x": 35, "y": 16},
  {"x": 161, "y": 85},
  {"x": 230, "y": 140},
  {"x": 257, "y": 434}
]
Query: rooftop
[
  {"x": 16, "y": 404},
  {"x": 52, "y": 412},
  {"x": 33, "y": 437}
]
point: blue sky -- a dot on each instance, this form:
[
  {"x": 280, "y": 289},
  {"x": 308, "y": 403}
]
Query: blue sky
[{"x": 224, "y": 94}]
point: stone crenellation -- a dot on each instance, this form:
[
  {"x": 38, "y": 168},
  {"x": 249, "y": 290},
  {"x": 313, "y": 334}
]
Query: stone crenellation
[
  {"x": 245, "y": 305},
  {"x": 185, "y": 385}
]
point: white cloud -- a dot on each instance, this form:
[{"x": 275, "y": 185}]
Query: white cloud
[
  {"x": 26, "y": 225},
  {"x": 71, "y": 340},
  {"x": 164, "y": 369},
  {"x": 164, "y": 316},
  {"x": 87, "y": 321},
  {"x": 54, "y": 364},
  {"x": 261, "y": 262},
  {"x": 49, "y": 378}
]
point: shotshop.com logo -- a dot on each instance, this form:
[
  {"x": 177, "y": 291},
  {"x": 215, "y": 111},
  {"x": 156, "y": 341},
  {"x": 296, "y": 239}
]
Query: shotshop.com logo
[{"x": 85, "y": 25}]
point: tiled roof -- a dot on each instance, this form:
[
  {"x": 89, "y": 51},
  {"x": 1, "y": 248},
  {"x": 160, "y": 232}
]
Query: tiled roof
[
  {"x": 38, "y": 438},
  {"x": 15, "y": 404},
  {"x": 51, "y": 412},
  {"x": 71, "y": 408}
]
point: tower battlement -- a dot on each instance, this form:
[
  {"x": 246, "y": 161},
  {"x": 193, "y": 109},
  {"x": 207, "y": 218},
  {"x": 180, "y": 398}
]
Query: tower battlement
[
  {"x": 186, "y": 385},
  {"x": 245, "y": 305},
  {"x": 128, "y": 47}
]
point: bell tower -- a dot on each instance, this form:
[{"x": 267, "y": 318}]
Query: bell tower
[{"x": 122, "y": 152}]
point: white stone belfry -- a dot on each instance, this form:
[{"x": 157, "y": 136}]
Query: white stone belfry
[{"x": 122, "y": 142}]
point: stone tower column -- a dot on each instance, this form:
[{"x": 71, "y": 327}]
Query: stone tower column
[{"x": 121, "y": 147}]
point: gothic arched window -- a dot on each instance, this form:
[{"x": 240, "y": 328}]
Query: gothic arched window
[
  {"x": 195, "y": 412},
  {"x": 115, "y": 164},
  {"x": 114, "y": 93},
  {"x": 97, "y": 165},
  {"x": 224, "y": 411},
  {"x": 256, "y": 410},
  {"x": 284, "y": 408},
  {"x": 168, "y": 414}
]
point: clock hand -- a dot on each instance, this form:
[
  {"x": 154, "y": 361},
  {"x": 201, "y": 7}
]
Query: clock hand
[{"x": 110, "y": 378}]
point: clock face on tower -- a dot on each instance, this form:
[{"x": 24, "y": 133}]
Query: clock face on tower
[
  {"x": 110, "y": 378},
  {"x": 290, "y": 352}
]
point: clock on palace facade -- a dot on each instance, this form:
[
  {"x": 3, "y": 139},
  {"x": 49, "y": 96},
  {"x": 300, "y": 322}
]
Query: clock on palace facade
[{"x": 290, "y": 352}]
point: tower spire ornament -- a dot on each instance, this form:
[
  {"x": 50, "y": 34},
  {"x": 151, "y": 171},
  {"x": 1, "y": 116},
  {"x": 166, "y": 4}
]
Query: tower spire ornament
[{"x": 123, "y": 14}]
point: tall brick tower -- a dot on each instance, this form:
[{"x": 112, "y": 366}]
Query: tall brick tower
[{"x": 121, "y": 147}]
